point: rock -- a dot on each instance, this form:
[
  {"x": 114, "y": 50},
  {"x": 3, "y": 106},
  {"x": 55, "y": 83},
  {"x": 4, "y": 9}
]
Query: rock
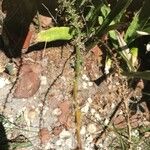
[
  {"x": 44, "y": 135},
  {"x": 29, "y": 81},
  {"x": 65, "y": 109},
  {"x": 86, "y": 108},
  {"x": 57, "y": 112},
  {"x": 83, "y": 130},
  {"x": 91, "y": 128},
  {"x": 65, "y": 134},
  {"x": 45, "y": 21},
  {"x": 3, "y": 82}
]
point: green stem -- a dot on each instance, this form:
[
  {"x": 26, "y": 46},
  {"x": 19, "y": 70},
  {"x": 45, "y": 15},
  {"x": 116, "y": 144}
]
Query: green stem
[{"x": 75, "y": 96}]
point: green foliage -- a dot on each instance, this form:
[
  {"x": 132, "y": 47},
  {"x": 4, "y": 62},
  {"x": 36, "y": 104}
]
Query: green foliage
[
  {"x": 115, "y": 14},
  {"x": 90, "y": 20},
  {"x": 54, "y": 34},
  {"x": 143, "y": 75},
  {"x": 141, "y": 22}
]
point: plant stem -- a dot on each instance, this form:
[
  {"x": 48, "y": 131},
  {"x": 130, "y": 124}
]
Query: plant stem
[{"x": 75, "y": 95}]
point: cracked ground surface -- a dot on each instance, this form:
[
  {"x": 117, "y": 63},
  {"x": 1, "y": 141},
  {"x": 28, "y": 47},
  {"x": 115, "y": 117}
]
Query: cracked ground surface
[{"x": 36, "y": 103}]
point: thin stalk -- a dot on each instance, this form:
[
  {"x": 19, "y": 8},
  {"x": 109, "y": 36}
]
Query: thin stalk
[{"x": 75, "y": 96}]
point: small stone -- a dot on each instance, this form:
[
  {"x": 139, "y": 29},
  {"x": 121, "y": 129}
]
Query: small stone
[
  {"x": 3, "y": 82},
  {"x": 86, "y": 108},
  {"x": 90, "y": 83},
  {"x": 59, "y": 142},
  {"x": 89, "y": 139},
  {"x": 69, "y": 143},
  {"x": 93, "y": 111},
  {"x": 44, "y": 135},
  {"x": 135, "y": 133},
  {"x": 84, "y": 77},
  {"x": 91, "y": 128},
  {"x": 43, "y": 80},
  {"x": 32, "y": 114},
  {"x": 89, "y": 100},
  {"x": 112, "y": 106},
  {"x": 106, "y": 121},
  {"x": 83, "y": 130},
  {"x": 84, "y": 85},
  {"x": 57, "y": 112},
  {"x": 64, "y": 134},
  {"x": 97, "y": 116}
]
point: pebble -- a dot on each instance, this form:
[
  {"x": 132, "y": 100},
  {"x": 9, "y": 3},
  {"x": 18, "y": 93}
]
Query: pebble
[
  {"x": 93, "y": 111},
  {"x": 106, "y": 121},
  {"x": 59, "y": 142},
  {"x": 112, "y": 106},
  {"x": 70, "y": 143},
  {"x": 3, "y": 82},
  {"x": 86, "y": 108},
  {"x": 90, "y": 83},
  {"x": 135, "y": 133},
  {"x": 57, "y": 112},
  {"x": 83, "y": 130},
  {"x": 65, "y": 134},
  {"x": 43, "y": 80},
  {"x": 91, "y": 128},
  {"x": 84, "y": 77},
  {"x": 90, "y": 100},
  {"x": 97, "y": 116},
  {"x": 84, "y": 85}
]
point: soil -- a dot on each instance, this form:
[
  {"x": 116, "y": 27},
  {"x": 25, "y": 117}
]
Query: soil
[{"x": 36, "y": 101}]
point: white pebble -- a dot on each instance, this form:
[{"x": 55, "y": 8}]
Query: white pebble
[
  {"x": 90, "y": 100},
  {"x": 90, "y": 83},
  {"x": 3, "y": 82},
  {"x": 84, "y": 85},
  {"x": 86, "y": 108},
  {"x": 59, "y": 142},
  {"x": 135, "y": 133},
  {"x": 83, "y": 130},
  {"x": 91, "y": 128},
  {"x": 69, "y": 143},
  {"x": 106, "y": 121},
  {"x": 84, "y": 77},
  {"x": 112, "y": 106},
  {"x": 43, "y": 80},
  {"x": 93, "y": 111},
  {"x": 89, "y": 139},
  {"x": 64, "y": 134},
  {"x": 57, "y": 111},
  {"x": 97, "y": 116}
]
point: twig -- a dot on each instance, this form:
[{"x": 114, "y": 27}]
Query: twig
[{"x": 49, "y": 13}]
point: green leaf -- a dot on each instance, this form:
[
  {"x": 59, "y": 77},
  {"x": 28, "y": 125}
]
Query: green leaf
[
  {"x": 134, "y": 56},
  {"x": 54, "y": 34},
  {"x": 100, "y": 20},
  {"x": 115, "y": 13},
  {"x": 142, "y": 75},
  {"x": 105, "y": 10},
  {"x": 140, "y": 22}
]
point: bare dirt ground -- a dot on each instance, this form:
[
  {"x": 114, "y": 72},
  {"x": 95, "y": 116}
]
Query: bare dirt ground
[{"x": 36, "y": 103}]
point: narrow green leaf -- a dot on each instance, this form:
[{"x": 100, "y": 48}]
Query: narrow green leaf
[
  {"x": 54, "y": 34},
  {"x": 116, "y": 12},
  {"x": 134, "y": 56},
  {"x": 140, "y": 22},
  {"x": 142, "y": 75},
  {"x": 133, "y": 27}
]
